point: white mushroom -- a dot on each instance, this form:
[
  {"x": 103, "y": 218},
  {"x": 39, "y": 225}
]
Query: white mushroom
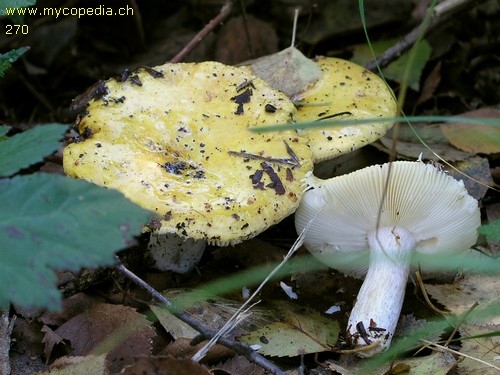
[{"x": 355, "y": 229}]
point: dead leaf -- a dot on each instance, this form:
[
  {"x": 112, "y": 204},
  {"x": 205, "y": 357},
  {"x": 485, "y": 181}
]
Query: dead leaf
[
  {"x": 464, "y": 292},
  {"x": 486, "y": 349},
  {"x": 414, "y": 150},
  {"x": 122, "y": 330},
  {"x": 182, "y": 348},
  {"x": 431, "y": 83},
  {"x": 437, "y": 363},
  {"x": 27, "y": 338},
  {"x": 232, "y": 44},
  {"x": 95, "y": 365},
  {"x": 241, "y": 365},
  {"x": 302, "y": 331},
  {"x": 212, "y": 311},
  {"x": 478, "y": 169},
  {"x": 165, "y": 366},
  {"x": 475, "y": 138},
  {"x": 50, "y": 340},
  {"x": 72, "y": 306},
  {"x": 288, "y": 71}
]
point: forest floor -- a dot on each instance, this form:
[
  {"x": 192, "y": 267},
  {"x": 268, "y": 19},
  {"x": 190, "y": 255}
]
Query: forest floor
[{"x": 456, "y": 72}]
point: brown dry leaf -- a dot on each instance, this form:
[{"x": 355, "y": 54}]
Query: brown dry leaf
[
  {"x": 182, "y": 348},
  {"x": 486, "y": 349},
  {"x": 89, "y": 365},
  {"x": 50, "y": 340},
  {"x": 460, "y": 296},
  {"x": 232, "y": 44},
  {"x": 430, "y": 85},
  {"x": 165, "y": 366},
  {"x": 72, "y": 306},
  {"x": 475, "y": 138},
  {"x": 120, "y": 330},
  {"x": 413, "y": 151},
  {"x": 241, "y": 365},
  {"x": 478, "y": 169},
  {"x": 212, "y": 311},
  {"x": 27, "y": 337},
  {"x": 288, "y": 71}
]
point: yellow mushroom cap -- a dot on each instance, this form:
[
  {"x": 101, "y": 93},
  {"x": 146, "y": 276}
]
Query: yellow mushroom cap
[
  {"x": 350, "y": 89},
  {"x": 175, "y": 140}
]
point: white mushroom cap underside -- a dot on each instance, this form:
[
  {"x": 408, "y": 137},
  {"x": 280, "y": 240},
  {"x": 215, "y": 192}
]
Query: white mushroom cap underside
[{"x": 433, "y": 206}]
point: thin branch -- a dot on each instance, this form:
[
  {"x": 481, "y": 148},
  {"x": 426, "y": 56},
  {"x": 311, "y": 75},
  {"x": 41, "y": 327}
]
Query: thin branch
[
  {"x": 420, "y": 283},
  {"x": 223, "y": 14},
  {"x": 247, "y": 29},
  {"x": 238, "y": 347},
  {"x": 233, "y": 321},
  {"x": 442, "y": 13}
]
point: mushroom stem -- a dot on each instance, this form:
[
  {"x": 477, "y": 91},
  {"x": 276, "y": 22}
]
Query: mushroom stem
[{"x": 376, "y": 312}]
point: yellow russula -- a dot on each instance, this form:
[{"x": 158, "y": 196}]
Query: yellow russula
[
  {"x": 345, "y": 90},
  {"x": 174, "y": 140}
]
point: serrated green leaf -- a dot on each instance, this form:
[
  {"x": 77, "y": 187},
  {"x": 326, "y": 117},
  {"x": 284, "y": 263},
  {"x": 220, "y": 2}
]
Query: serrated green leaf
[
  {"x": 50, "y": 222},
  {"x": 10, "y": 4},
  {"x": 303, "y": 332},
  {"x": 4, "y": 129},
  {"x": 29, "y": 147},
  {"x": 7, "y": 59}
]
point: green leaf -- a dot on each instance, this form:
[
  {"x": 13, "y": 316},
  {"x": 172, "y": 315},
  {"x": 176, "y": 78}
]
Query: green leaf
[
  {"x": 10, "y": 4},
  {"x": 4, "y": 129},
  {"x": 395, "y": 70},
  {"x": 29, "y": 147},
  {"x": 50, "y": 222},
  {"x": 491, "y": 231},
  {"x": 7, "y": 59}
]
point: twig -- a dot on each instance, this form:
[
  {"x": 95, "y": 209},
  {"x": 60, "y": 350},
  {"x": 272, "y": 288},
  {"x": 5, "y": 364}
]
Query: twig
[
  {"x": 138, "y": 22},
  {"x": 426, "y": 296},
  {"x": 442, "y": 348},
  {"x": 442, "y": 13},
  {"x": 247, "y": 29},
  {"x": 233, "y": 321},
  {"x": 240, "y": 348},
  {"x": 224, "y": 12}
]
